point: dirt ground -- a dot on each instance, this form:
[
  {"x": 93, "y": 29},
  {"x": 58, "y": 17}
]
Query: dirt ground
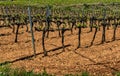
[{"x": 99, "y": 59}]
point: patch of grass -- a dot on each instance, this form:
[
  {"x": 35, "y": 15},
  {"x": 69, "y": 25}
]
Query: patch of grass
[
  {"x": 85, "y": 74},
  {"x": 6, "y": 71},
  {"x": 81, "y": 74},
  {"x": 117, "y": 74},
  {"x": 54, "y": 2}
]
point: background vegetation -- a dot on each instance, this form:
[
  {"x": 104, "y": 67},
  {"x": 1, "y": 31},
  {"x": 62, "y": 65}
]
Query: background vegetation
[{"x": 54, "y": 2}]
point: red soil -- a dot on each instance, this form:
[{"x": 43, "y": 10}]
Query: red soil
[{"x": 99, "y": 59}]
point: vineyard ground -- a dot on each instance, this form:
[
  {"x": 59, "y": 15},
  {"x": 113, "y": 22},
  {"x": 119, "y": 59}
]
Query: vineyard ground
[{"x": 99, "y": 59}]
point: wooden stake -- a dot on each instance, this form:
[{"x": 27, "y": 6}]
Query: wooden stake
[{"x": 31, "y": 25}]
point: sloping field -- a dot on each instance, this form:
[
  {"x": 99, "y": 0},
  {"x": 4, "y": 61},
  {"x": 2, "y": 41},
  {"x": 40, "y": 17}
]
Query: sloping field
[{"x": 98, "y": 59}]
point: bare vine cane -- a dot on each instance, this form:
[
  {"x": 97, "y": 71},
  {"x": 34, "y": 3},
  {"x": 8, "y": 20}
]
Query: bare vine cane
[
  {"x": 73, "y": 24},
  {"x": 18, "y": 25},
  {"x": 58, "y": 26},
  {"x": 79, "y": 30},
  {"x": 63, "y": 31},
  {"x": 16, "y": 35},
  {"x": 115, "y": 25},
  {"x": 43, "y": 41},
  {"x": 79, "y": 37},
  {"x": 96, "y": 29},
  {"x": 91, "y": 21},
  {"x": 104, "y": 27}
]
